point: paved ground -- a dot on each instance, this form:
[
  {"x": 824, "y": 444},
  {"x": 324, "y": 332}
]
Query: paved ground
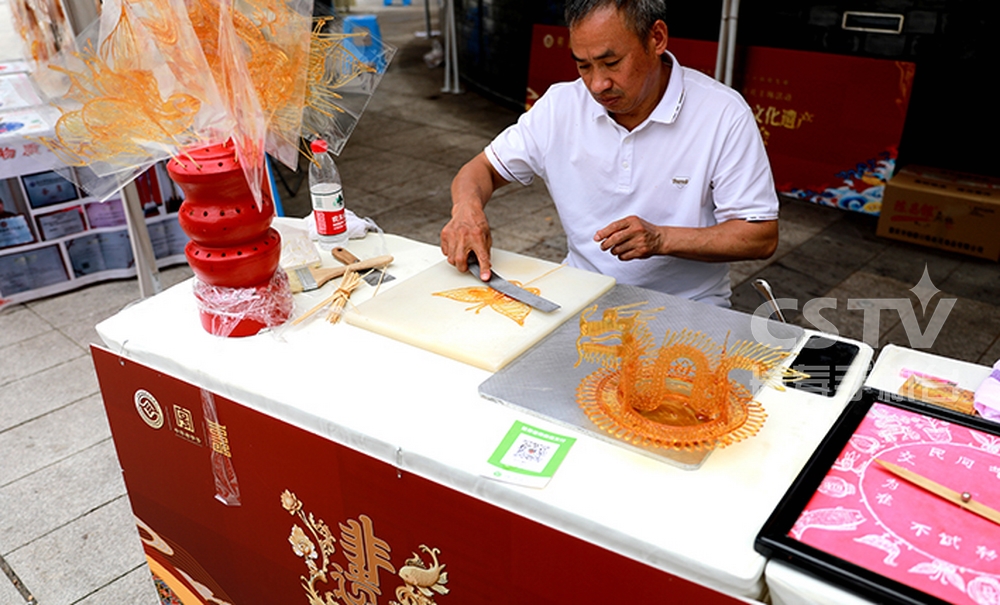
[{"x": 65, "y": 525}]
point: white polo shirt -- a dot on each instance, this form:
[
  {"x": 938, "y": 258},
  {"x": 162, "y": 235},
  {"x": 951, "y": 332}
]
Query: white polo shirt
[{"x": 697, "y": 161}]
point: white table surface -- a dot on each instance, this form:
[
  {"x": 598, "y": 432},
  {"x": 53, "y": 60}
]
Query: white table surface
[
  {"x": 421, "y": 412},
  {"x": 788, "y": 585}
]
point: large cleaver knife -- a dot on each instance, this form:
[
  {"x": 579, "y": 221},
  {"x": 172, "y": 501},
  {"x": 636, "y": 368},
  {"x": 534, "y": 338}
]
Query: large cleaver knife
[{"x": 501, "y": 285}]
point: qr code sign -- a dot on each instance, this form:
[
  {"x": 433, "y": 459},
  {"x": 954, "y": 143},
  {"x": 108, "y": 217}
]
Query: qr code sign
[{"x": 531, "y": 452}]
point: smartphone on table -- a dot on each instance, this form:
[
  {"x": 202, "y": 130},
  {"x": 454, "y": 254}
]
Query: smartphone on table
[{"x": 826, "y": 362}]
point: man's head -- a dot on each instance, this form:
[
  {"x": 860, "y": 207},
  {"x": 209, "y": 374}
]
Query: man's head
[
  {"x": 639, "y": 15},
  {"x": 619, "y": 63}
]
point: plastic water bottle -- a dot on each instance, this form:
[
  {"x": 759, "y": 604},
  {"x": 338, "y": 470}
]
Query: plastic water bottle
[{"x": 327, "y": 198}]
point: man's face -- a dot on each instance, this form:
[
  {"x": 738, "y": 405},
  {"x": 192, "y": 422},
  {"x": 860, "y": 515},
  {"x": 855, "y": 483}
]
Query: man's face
[{"x": 622, "y": 72}]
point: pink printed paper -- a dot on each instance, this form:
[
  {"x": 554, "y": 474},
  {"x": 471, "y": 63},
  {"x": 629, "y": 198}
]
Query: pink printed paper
[{"x": 864, "y": 514}]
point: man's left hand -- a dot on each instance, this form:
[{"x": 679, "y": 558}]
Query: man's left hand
[{"x": 630, "y": 238}]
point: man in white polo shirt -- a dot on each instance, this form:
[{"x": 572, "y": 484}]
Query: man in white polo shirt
[{"x": 658, "y": 172}]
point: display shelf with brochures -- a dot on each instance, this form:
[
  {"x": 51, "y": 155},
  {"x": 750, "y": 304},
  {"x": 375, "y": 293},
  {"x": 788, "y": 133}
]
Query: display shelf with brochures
[{"x": 53, "y": 236}]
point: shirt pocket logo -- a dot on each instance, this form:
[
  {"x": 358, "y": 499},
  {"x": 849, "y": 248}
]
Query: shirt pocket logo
[{"x": 681, "y": 181}]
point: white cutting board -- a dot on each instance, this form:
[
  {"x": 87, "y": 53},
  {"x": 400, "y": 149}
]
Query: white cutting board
[{"x": 411, "y": 313}]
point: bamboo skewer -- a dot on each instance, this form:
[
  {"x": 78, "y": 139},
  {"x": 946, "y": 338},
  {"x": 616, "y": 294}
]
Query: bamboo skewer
[
  {"x": 339, "y": 299},
  {"x": 963, "y": 499}
]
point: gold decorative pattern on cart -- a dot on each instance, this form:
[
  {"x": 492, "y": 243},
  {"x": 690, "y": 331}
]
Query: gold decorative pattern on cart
[
  {"x": 365, "y": 554},
  {"x": 218, "y": 436}
]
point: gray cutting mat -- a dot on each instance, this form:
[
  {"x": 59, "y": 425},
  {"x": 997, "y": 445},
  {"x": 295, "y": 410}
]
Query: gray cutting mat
[{"x": 543, "y": 381}]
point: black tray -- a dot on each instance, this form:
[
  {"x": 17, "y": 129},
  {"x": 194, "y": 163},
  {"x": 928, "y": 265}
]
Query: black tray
[{"x": 776, "y": 539}]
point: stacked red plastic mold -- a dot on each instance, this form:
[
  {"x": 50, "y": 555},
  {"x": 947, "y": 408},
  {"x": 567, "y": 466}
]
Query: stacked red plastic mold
[{"x": 234, "y": 252}]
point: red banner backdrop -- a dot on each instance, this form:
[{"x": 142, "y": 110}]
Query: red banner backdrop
[
  {"x": 831, "y": 123},
  {"x": 234, "y": 506}
]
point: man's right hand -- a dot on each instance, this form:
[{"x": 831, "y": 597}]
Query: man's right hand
[{"x": 468, "y": 232}]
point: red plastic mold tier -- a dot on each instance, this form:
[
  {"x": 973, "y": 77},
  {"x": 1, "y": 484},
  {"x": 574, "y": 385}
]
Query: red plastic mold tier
[{"x": 232, "y": 243}]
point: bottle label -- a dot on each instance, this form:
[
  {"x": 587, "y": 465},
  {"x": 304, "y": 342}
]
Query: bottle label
[
  {"x": 330, "y": 223},
  {"x": 328, "y": 208}
]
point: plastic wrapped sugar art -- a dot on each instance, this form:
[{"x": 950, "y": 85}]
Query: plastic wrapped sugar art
[
  {"x": 681, "y": 395},
  {"x": 151, "y": 79},
  {"x": 43, "y": 26}
]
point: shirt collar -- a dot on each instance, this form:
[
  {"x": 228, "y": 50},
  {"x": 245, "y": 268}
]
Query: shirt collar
[
  {"x": 669, "y": 107},
  {"x": 667, "y": 110}
]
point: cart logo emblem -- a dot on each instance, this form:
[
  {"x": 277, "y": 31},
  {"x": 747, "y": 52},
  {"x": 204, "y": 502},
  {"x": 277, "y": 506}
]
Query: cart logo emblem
[
  {"x": 148, "y": 408},
  {"x": 184, "y": 419},
  {"x": 183, "y": 423}
]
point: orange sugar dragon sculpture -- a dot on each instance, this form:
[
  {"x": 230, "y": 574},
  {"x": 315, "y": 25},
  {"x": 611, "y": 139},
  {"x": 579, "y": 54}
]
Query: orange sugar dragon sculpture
[{"x": 682, "y": 395}]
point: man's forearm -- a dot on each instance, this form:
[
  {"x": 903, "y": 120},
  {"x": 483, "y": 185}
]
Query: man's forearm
[
  {"x": 474, "y": 185},
  {"x": 633, "y": 237},
  {"x": 733, "y": 240}
]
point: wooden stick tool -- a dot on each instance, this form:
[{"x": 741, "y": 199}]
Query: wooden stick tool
[{"x": 305, "y": 279}]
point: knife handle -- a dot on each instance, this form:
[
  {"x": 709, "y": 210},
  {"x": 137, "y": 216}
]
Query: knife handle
[{"x": 344, "y": 255}]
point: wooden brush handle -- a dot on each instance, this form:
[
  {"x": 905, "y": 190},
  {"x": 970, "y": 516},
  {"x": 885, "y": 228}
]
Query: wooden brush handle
[
  {"x": 324, "y": 275},
  {"x": 344, "y": 255}
]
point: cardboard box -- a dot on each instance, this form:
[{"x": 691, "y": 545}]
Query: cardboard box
[{"x": 943, "y": 209}]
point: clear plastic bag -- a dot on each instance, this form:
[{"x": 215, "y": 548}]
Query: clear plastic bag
[{"x": 244, "y": 311}]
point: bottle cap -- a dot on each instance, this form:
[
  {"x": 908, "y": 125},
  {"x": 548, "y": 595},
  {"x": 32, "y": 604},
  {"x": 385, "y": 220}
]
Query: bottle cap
[{"x": 318, "y": 146}]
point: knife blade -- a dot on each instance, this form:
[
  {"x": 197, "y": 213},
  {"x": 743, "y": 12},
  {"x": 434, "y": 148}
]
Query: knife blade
[{"x": 520, "y": 294}]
